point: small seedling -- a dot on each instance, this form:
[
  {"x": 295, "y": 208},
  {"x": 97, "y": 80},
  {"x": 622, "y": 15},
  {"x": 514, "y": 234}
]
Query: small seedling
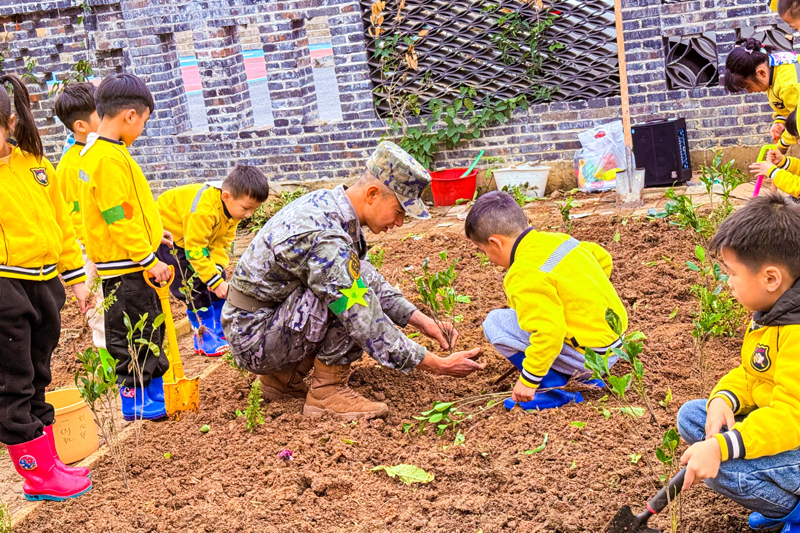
[
  {"x": 205, "y": 429},
  {"x": 519, "y": 192},
  {"x": 539, "y": 448},
  {"x": 673, "y": 314},
  {"x": 564, "y": 208},
  {"x": 616, "y": 236},
  {"x": 228, "y": 358},
  {"x": 635, "y": 458},
  {"x": 684, "y": 214},
  {"x": 407, "y": 426},
  {"x": 449, "y": 414},
  {"x": 350, "y": 442},
  {"x": 375, "y": 257},
  {"x": 579, "y": 425},
  {"x": 666, "y": 451},
  {"x": 633, "y": 412},
  {"x": 484, "y": 259},
  {"x": 253, "y": 414},
  {"x": 460, "y": 439},
  {"x": 437, "y": 292},
  {"x": 667, "y": 399},
  {"x": 574, "y": 464},
  {"x": 167, "y": 455}
]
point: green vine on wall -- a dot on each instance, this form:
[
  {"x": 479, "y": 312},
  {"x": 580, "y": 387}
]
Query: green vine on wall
[{"x": 519, "y": 40}]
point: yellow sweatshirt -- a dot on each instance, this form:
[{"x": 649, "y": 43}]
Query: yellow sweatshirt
[
  {"x": 786, "y": 176},
  {"x": 70, "y": 186},
  {"x": 773, "y": 5},
  {"x": 766, "y": 386},
  {"x": 201, "y": 225},
  {"x": 784, "y": 80},
  {"x": 560, "y": 289},
  {"x": 123, "y": 229},
  {"x": 38, "y": 240}
]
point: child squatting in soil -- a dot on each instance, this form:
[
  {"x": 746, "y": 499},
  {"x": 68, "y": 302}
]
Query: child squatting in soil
[
  {"x": 202, "y": 219},
  {"x": 123, "y": 231},
  {"x": 784, "y": 171},
  {"x": 38, "y": 244},
  {"x": 558, "y": 290},
  {"x": 745, "y": 437}
]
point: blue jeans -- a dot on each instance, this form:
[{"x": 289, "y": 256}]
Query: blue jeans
[
  {"x": 769, "y": 485},
  {"x": 502, "y": 330}
]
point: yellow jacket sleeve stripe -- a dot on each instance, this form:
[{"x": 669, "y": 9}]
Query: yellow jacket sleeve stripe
[
  {"x": 731, "y": 445},
  {"x": 786, "y": 176}
]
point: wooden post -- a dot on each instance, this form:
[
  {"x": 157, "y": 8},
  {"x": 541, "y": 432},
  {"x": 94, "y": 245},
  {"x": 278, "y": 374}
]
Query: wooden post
[{"x": 623, "y": 75}]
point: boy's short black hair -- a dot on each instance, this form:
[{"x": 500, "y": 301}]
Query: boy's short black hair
[
  {"x": 766, "y": 230},
  {"x": 791, "y": 123},
  {"x": 76, "y": 102},
  {"x": 792, "y": 7},
  {"x": 119, "y": 92},
  {"x": 495, "y": 213},
  {"x": 246, "y": 180}
]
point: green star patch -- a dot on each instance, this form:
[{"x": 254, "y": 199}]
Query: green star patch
[{"x": 350, "y": 297}]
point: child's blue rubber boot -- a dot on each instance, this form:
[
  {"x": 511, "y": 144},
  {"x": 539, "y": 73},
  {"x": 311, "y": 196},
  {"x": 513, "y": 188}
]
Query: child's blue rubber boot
[
  {"x": 217, "y": 307},
  {"x": 155, "y": 391},
  {"x": 206, "y": 341},
  {"x": 545, "y": 399},
  {"x": 137, "y": 405},
  {"x": 790, "y": 522}
]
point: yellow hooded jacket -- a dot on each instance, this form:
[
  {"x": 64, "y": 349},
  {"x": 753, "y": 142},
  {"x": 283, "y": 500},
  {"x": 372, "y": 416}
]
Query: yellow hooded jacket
[
  {"x": 201, "y": 225},
  {"x": 70, "y": 185},
  {"x": 123, "y": 229},
  {"x": 38, "y": 240},
  {"x": 784, "y": 88},
  {"x": 786, "y": 176},
  {"x": 766, "y": 386},
  {"x": 560, "y": 289}
]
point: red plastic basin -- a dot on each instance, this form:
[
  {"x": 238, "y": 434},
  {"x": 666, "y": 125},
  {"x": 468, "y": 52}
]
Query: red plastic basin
[{"x": 448, "y": 186}]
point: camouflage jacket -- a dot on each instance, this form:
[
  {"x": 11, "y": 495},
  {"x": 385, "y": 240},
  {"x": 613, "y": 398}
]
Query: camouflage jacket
[{"x": 317, "y": 242}]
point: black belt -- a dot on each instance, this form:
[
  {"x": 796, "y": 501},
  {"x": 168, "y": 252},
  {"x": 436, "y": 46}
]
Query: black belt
[{"x": 246, "y": 302}]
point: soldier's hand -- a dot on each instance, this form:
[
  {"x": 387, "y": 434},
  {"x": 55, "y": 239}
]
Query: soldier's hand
[
  {"x": 458, "y": 365},
  {"x": 439, "y": 332}
]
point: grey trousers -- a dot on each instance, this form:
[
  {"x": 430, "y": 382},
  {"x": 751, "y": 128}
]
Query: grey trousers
[{"x": 273, "y": 340}]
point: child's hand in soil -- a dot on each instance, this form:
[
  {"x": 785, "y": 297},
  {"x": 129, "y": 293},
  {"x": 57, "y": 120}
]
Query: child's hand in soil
[
  {"x": 776, "y": 131},
  {"x": 761, "y": 169},
  {"x": 522, "y": 393},
  {"x": 222, "y": 290},
  {"x": 702, "y": 461},
  {"x": 719, "y": 414},
  {"x": 83, "y": 295}
]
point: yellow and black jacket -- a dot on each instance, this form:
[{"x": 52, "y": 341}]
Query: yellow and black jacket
[
  {"x": 122, "y": 226},
  {"x": 766, "y": 386},
  {"x": 773, "y": 5},
  {"x": 38, "y": 240},
  {"x": 786, "y": 176},
  {"x": 560, "y": 289},
  {"x": 70, "y": 186},
  {"x": 784, "y": 88},
  {"x": 201, "y": 225}
]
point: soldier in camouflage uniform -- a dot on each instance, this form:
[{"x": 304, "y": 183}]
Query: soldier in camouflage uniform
[{"x": 303, "y": 294}]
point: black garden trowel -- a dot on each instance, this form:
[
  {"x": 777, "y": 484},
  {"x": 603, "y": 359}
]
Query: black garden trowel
[{"x": 626, "y": 522}]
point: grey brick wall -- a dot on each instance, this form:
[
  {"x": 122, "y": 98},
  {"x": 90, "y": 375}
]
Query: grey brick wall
[{"x": 143, "y": 36}]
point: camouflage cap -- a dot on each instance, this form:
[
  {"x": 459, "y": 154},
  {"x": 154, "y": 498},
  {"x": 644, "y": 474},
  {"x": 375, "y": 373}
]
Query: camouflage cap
[{"x": 403, "y": 174}]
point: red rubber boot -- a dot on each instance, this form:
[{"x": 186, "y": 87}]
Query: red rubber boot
[
  {"x": 43, "y": 481},
  {"x": 71, "y": 470}
]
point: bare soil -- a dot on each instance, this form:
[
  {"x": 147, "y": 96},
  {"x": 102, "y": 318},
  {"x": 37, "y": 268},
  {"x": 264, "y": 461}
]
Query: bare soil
[{"x": 230, "y": 480}]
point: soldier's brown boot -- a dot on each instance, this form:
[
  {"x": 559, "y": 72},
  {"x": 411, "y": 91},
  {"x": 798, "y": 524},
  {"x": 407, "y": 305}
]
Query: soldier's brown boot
[
  {"x": 287, "y": 383},
  {"x": 329, "y": 394}
]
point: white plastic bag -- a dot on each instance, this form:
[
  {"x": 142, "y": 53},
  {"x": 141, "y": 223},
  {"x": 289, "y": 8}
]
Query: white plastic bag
[{"x": 602, "y": 155}]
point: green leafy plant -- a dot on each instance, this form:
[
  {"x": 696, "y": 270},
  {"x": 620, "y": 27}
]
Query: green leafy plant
[
  {"x": 665, "y": 453},
  {"x": 29, "y": 74},
  {"x": 519, "y": 192},
  {"x": 5, "y": 518},
  {"x": 667, "y": 399},
  {"x": 375, "y": 256},
  {"x": 565, "y": 208},
  {"x": 96, "y": 381},
  {"x": 228, "y": 358},
  {"x": 406, "y": 473},
  {"x": 270, "y": 208},
  {"x": 725, "y": 174},
  {"x": 437, "y": 292},
  {"x": 484, "y": 259},
  {"x": 80, "y": 72},
  {"x": 681, "y": 210},
  {"x": 448, "y": 415},
  {"x": 252, "y": 414},
  {"x": 138, "y": 344}
]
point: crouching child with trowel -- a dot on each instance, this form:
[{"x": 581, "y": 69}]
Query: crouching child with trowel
[
  {"x": 558, "y": 289},
  {"x": 745, "y": 437}
]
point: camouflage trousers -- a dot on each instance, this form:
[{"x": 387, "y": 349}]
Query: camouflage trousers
[{"x": 273, "y": 340}]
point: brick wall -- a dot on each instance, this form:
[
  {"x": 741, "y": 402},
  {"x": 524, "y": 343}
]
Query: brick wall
[{"x": 145, "y": 36}]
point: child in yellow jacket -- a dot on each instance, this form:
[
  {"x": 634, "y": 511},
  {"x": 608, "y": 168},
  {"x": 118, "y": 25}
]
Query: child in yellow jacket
[
  {"x": 558, "y": 290},
  {"x": 202, "y": 219},
  {"x": 123, "y": 231},
  {"x": 759, "y": 68},
  {"x": 38, "y": 243},
  {"x": 784, "y": 171},
  {"x": 745, "y": 437}
]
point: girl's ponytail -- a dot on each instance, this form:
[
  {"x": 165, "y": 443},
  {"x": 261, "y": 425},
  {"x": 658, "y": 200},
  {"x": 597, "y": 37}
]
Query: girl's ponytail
[
  {"x": 25, "y": 132},
  {"x": 743, "y": 61}
]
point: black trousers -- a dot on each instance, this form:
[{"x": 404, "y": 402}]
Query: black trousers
[
  {"x": 30, "y": 326},
  {"x": 134, "y": 298},
  {"x": 201, "y": 295}
]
